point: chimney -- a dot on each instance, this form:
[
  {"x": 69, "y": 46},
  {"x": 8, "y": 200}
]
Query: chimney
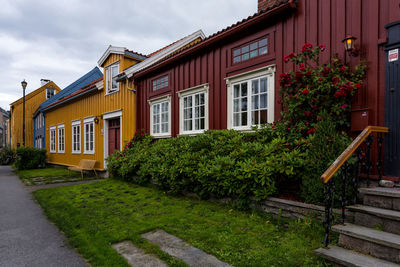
[
  {"x": 265, "y": 4},
  {"x": 43, "y": 81}
]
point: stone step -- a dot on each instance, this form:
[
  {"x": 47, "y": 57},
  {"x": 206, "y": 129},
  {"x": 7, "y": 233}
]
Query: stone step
[
  {"x": 381, "y": 197},
  {"x": 379, "y": 244},
  {"x": 137, "y": 257},
  {"x": 179, "y": 249},
  {"x": 344, "y": 257},
  {"x": 378, "y": 218}
]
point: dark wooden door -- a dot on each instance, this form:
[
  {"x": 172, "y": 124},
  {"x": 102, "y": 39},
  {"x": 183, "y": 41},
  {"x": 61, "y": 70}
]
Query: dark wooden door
[
  {"x": 392, "y": 101},
  {"x": 113, "y": 135}
]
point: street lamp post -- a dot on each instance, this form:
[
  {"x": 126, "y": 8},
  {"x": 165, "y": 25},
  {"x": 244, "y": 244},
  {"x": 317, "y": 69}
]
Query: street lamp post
[{"x": 24, "y": 84}]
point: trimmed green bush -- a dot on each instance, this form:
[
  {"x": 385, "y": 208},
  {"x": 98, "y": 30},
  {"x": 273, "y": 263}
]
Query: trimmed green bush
[
  {"x": 220, "y": 163},
  {"x": 30, "y": 158}
]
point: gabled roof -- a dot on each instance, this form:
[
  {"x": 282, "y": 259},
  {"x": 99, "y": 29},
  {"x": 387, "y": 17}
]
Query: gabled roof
[
  {"x": 89, "y": 77},
  {"x": 50, "y": 84},
  {"x": 164, "y": 52},
  {"x": 119, "y": 51},
  {"x": 90, "y": 87},
  {"x": 279, "y": 7}
]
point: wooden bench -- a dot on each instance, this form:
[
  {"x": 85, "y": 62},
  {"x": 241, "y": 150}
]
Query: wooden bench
[{"x": 84, "y": 165}]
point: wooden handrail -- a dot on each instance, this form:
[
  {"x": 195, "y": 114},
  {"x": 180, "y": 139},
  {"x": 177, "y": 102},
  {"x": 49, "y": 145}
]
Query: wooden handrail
[{"x": 335, "y": 166}]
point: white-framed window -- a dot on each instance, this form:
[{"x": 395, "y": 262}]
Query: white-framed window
[
  {"x": 161, "y": 82},
  {"x": 61, "y": 138},
  {"x": 251, "y": 98},
  {"x": 193, "y": 109},
  {"x": 50, "y": 92},
  {"x": 160, "y": 116},
  {"x": 53, "y": 140},
  {"x": 111, "y": 73},
  {"x": 76, "y": 137},
  {"x": 88, "y": 143}
]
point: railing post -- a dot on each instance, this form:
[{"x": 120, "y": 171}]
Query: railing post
[
  {"x": 379, "y": 161},
  {"x": 356, "y": 176},
  {"x": 343, "y": 195},
  {"x": 368, "y": 142},
  {"x": 329, "y": 191}
]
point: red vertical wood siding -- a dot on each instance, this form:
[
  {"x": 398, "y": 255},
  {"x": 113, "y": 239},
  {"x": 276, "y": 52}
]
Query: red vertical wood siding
[{"x": 315, "y": 21}]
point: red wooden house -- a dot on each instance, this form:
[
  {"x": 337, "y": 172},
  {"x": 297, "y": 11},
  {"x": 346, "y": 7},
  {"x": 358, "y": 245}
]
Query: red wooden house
[{"x": 230, "y": 79}]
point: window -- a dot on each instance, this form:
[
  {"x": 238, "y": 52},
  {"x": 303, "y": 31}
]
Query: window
[
  {"x": 76, "y": 137},
  {"x": 251, "y": 50},
  {"x": 160, "y": 83},
  {"x": 193, "y": 112},
  {"x": 88, "y": 125},
  {"x": 111, "y": 73},
  {"x": 49, "y": 93},
  {"x": 53, "y": 146},
  {"x": 251, "y": 98},
  {"x": 61, "y": 138},
  {"x": 160, "y": 119}
]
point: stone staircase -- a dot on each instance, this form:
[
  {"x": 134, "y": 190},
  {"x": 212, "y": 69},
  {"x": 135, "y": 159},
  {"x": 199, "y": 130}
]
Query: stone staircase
[{"x": 373, "y": 239}]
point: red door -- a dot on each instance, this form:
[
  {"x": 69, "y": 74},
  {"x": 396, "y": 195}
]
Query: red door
[{"x": 113, "y": 135}]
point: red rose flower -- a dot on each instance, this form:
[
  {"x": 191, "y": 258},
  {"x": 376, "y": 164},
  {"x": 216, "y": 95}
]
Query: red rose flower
[
  {"x": 358, "y": 85},
  {"x": 343, "y": 106},
  {"x": 308, "y": 114},
  {"x": 302, "y": 67},
  {"x": 307, "y": 47},
  {"x": 305, "y": 92},
  {"x": 322, "y": 47},
  {"x": 335, "y": 80},
  {"x": 343, "y": 68},
  {"x": 311, "y": 131},
  {"x": 319, "y": 118},
  {"x": 286, "y": 59}
]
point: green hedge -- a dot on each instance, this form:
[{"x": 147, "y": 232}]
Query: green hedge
[
  {"x": 30, "y": 158},
  {"x": 6, "y": 155}
]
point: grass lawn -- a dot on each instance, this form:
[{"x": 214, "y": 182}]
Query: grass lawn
[
  {"x": 95, "y": 215},
  {"x": 50, "y": 176}
]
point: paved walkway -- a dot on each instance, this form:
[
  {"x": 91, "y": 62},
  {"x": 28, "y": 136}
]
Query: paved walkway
[{"x": 27, "y": 238}]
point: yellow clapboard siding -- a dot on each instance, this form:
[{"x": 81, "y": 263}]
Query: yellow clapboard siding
[
  {"x": 32, "y": 103},
  {"x": 93, "y": 105}
]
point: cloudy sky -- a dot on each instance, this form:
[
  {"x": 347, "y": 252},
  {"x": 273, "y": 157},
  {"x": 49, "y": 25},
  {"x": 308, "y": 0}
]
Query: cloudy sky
[{"x": 62, "y": 40}]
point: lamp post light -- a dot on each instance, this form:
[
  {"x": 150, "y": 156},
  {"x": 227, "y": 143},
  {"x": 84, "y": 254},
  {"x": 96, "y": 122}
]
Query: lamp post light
[{"x": 24, "y": 84}]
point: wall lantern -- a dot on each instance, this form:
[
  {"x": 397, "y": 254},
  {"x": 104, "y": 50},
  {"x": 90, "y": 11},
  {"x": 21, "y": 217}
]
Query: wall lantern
[
  {"x": 349, "y": 45},
  {"x": 96, "y": 120}
]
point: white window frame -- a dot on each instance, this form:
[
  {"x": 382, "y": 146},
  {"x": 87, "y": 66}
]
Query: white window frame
[
  {"x": 269, "y": 72},
  {"x": 61, "y": 137},
  {"x": 53, "y": 142},
  {"x": 48, "y": 90},
  {"x": 76, "y": 124},
  {"x": 159, "y": 101},
  {"x": 88, "y": 121},
  {"x": 109, "y": 78},
  {"x": 204, "y": 88}
]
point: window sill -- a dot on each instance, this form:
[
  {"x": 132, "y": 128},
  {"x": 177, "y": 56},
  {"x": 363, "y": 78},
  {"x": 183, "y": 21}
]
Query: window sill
[
  {"x": 76, "y": 152},
  {"x": 88, "y": 152},
  {"x": 61, "y": 152},
  {"x": 112, "y": 92},
  {"x": 191, "y": 133},
  {"x": 161, "y": 136},
  {"x": 53, "y": 152}
]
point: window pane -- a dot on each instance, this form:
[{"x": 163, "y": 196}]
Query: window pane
[
  {"x": 236, "y": 90},
  {"x": 236, "y": 59},
  {"x": 264, "y": 101},
  {"x": 263, "y": 50},
  {"x": 245, "y": 56},
  {"x": 255, "y": 117},
  {"x": 244, "y": 104},
  {"x": 236, "y": 52},
  {"x": 245, "y": 49},
  {"x": 202, "y": 123},
  {"x": 244, "y": 119},
  {"x": 244, "y": 89},
  {"x": 236, "y": 105},
  {"x": 263, "y": 116},
  {"x": 254, "y": 86},
  {"x": 255, "y": 102},
  {"x": 263, "y": 42},
  {"x": 236, "y": 118},
  {"x": 263, "y": 83},
  {"x": 202, "y": 111},
  {"x": 254, "y": 53}
]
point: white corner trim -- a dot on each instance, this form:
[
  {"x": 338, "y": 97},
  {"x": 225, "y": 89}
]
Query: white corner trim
[
  {"x": 162, "y": 54},
  {"x": 112, "y": 114},
  {"x": 251, "y": 74},
  {"x": 88, "y": 119},
  {"x": 111, "y": 50},
  {"x": 76, "y": 122},
  {"x": 199, "y": 88},
  {"x": 159, "y": 99}
]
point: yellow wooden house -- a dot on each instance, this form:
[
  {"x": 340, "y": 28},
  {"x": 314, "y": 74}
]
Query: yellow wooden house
[
  {"x": 32, "y": 102},
  {"x": 101, "y": 117}
]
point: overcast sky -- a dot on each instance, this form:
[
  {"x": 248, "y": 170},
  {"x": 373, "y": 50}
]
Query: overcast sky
[{"x": 62, "y": 40}]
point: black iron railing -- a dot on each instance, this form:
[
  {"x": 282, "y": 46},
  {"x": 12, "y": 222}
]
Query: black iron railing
[{"x": 356, "y": 159}]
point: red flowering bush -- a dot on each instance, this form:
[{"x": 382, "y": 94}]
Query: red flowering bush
[{"x": 313, "y": 89}]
